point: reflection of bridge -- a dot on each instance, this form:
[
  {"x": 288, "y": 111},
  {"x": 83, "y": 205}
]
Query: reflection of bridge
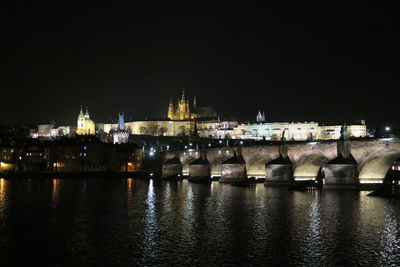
[{"x": 373, "y": 158}]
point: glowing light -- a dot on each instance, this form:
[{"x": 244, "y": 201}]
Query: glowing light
[{"x": 387, "y": 128}]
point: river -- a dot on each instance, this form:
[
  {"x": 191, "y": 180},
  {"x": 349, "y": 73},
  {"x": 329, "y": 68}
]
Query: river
[{"x": 129, "y": 222}]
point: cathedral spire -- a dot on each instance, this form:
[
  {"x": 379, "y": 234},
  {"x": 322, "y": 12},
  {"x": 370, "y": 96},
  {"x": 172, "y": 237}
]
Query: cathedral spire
[
  {"x": 81, "y": 112},
  {"x": 171, "y": 110},
  {"x": 183, "y": 95},
  {"x": 194, "y": 102}
]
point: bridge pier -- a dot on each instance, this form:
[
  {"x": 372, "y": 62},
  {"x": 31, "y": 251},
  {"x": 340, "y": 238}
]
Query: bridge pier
[
  {"x": 172, "y": 169},
  {"x": 200, "y": 171},
  {"x": 233, "y": 170},
  {"x": 341, "y": 173},
  {"x": 279, "y": 172}
]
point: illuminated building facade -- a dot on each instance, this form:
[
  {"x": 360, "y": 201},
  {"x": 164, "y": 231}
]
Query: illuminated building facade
[
  {"x": 85, "y": 125},
  {"x": 183, "y": 110}
]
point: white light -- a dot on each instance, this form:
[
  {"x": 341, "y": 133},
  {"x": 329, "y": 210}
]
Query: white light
[
  {"x": 241, "y": 142},
  {"x": 387, "y": 128},
  {"x": 185, "y": 147},
  {"x": 220, "y": 141},
  {"x": 151, "y": 174},
  {"x": 151, "y": 153},
  {"x": 209, "y": 144},
  {"x": 190, "y": 144}
]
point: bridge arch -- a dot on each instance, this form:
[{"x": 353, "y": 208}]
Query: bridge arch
[
  {"x": 308, "y": 166},
  {"x": 256, "y": 166},
  {"x": 374, "y": 167}
]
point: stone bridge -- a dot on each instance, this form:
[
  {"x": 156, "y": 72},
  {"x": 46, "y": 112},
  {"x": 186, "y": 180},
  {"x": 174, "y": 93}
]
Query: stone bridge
[{"x": 373, "y": 157}]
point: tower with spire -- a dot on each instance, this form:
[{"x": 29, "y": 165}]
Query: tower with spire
[
  {"x": 84, "y": 124},
  {"x": 171, "y": 111},
  {"x": 183, "y": 107},
  {"x": 260, "y": 116},
  {"x": 182, "y": 111}
]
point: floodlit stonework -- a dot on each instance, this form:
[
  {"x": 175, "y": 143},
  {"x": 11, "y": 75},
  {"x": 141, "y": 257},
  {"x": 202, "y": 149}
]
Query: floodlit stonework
[{"x": 85, "y": 125}]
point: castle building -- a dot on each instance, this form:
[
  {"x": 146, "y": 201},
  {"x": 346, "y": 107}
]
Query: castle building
[
  {"x": 85, "y": 125},
  {"x": 183, "y": 110}
]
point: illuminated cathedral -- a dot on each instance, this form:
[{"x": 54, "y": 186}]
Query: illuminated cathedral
[
  {"x": 85, "y": 124},
  {"x": 183, "y": 110}
]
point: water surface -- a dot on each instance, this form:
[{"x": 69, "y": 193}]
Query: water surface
[{"x": 131, "y": 222}]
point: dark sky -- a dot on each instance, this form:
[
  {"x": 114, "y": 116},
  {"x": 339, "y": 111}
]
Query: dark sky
[{"x": 302, "y": 63}]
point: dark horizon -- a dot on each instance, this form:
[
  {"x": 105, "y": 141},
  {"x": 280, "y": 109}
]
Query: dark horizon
[{"x": 296, "y": 63}]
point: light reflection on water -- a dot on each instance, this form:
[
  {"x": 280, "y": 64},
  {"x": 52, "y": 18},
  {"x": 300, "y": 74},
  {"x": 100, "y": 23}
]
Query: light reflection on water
[
  {"x": 135, "y": 222},
  {"x": 390, "y": 239},
  {"x": 150, "y": 224}
]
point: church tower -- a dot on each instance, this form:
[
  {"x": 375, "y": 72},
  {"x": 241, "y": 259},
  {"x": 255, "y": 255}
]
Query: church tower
[
  {"x": 183, "y": 108},
  {"x": 85, "y": 124},
  {"x": 260, "y": 116},
  {"x": 171, "y": 112},
  {"x": 81, "y": 120}
]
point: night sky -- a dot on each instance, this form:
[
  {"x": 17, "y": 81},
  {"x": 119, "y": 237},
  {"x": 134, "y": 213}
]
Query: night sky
[{"x": 296, "y": 63}]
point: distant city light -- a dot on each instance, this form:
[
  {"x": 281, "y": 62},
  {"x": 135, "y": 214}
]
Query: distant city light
[
  {"x": 387, "y": 128},
  {"x": 209, "y": 144}
]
